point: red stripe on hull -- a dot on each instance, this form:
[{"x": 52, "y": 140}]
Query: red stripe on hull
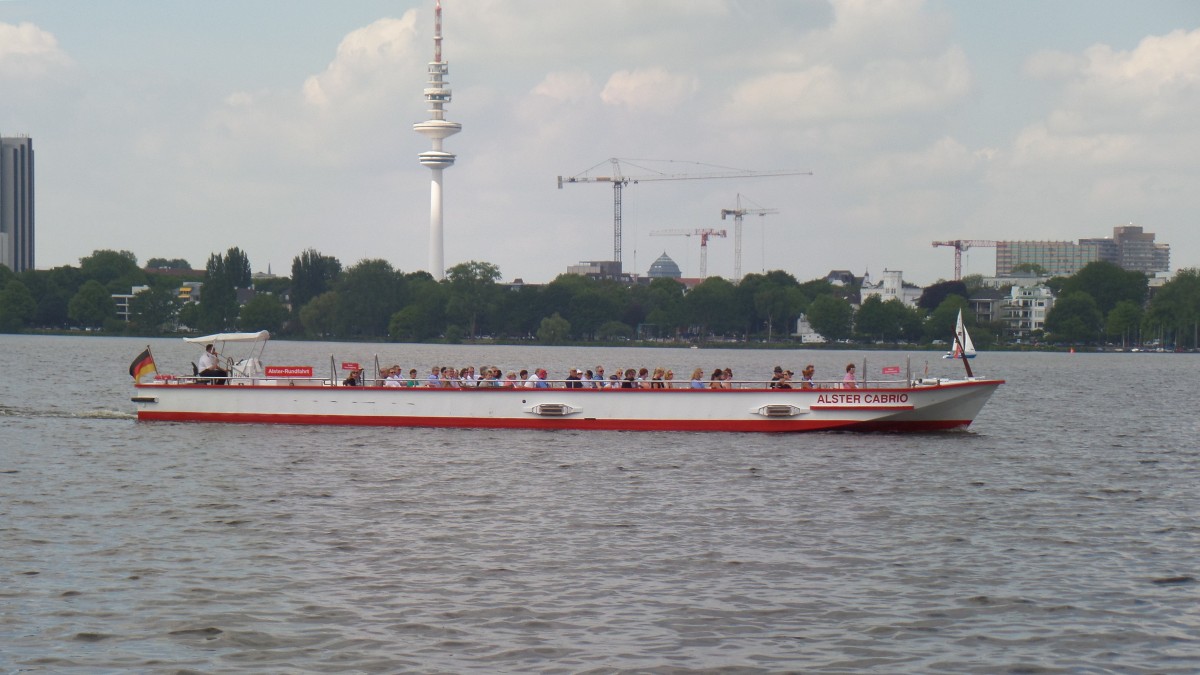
[{"x": 769, "y": 426}]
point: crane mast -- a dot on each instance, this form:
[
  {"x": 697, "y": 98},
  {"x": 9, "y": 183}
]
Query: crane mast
[
  {"x": 620, "y": 179},
  {"x": 704, "y": 234},
  {"x": 960, "y": 245},
  {"x": 737, "y": 231}
]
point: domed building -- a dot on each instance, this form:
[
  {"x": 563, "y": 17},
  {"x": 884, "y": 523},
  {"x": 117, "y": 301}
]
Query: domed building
[{"x": 664, "y": 267}]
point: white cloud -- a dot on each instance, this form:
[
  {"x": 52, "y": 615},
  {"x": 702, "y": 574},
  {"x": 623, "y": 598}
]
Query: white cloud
[
  {"x": 28, "y": 52},
  {"x": 364, "y": 59},
  {"x": 650, "y": 89},
  {"x": 1155, "y": 84},
  {"x": 566, "y": 86}
]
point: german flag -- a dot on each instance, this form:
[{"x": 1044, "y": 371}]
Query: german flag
[{"x": 142, "y": 365}]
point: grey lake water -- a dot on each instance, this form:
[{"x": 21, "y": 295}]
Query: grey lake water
[{"x": 1059, "y": 535}]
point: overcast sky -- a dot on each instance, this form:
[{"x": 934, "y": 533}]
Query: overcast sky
[{"x": 177, "y": 129}]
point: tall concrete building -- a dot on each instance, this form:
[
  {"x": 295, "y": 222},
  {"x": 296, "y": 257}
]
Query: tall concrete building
[
  {"x": 16, "y": 203},
  {"x": 1129, "y": 248}
]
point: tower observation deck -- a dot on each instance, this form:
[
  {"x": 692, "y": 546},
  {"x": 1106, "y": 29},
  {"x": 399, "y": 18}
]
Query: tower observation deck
[{"x": 437, "y": 129}]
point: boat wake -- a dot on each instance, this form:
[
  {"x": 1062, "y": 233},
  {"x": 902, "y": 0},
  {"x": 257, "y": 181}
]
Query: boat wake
[{"x": 102, "y": 414}]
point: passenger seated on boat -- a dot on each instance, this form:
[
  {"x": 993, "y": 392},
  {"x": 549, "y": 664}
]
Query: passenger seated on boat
[
  {"x": 715, "y": 380},
  {"x": 210, "y": 366},
  {"x": 656, "y": 380},
  {"x": 848, "y": 382},
  {"x": 727, "y": 380},
  {"x": 354, "y": 379},
  {"x": 806, "y": 377},
  {"x": 698, "y": 378},
  {"x": 510, "y": 380},
  {"x": 630, "y": 381},
  {"x": 776, "y": 376},
  {"x": 784, "y": 381},
  {"x": 669, "y": 380},
  {"x": 395, "y": 377},
  {"x": 412, "y": 378},
  {"x": 573, "y": 379},
  {"x": 435, "y": 378}
]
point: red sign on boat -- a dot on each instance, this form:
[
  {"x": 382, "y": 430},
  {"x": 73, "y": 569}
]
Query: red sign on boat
[
  {"x": 350, "y": 365},
  {"x": 289, "y": 371},
  {"x": 891, "y": 370}
]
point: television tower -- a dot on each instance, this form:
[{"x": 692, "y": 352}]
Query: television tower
[{"x": 436, "y": 128}]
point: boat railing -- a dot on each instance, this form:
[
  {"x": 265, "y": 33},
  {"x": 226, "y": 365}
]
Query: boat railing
[{"x": 242, "y": 381}]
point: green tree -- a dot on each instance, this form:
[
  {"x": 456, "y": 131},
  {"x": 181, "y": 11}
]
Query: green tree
[
  {"x": 614, "y": 330},
  {"x": 91, "y": 305},
  {"x": 237, "y": 267},
  {"x": 168, "y": 264},
  {"x": 189, "y": 315},
  {"x": 884, "y": 321},
  {"x": 554, "y": 330},
  {"x": 591, "y": 309},
  {"x": 712, "y": 306},
  {"x": 778, "y": 305},
  {"x": 118, "y": 271},
  {"x": 832, "y": 317},
  {"x": 263, "y": 312},
  {"x": 941, "y": 322},
  {"x": 1175, "y": 307},
  {"x": 152, "y": 309},
  {"x": 52, "y": 289},
  {"x": 473, "y": 290},
  {"x": 1123, "y": 320},
  {"x": 1029, "y": 269},
  {"x": 17, "y": 306},
  {"x": 218, "y": 297},
  {"x": 1075, "y": 317},
  {"x": 370, "y": 293},
  {"x": 1108, "y": 284},
  {"x": 415, "y": 323},
  {"x": 934, "y": 295},
  {"x": 320, "y": 316},
  {"x": 312, "y": 275}
]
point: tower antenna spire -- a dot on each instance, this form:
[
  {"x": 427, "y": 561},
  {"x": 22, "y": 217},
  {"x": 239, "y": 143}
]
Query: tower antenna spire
[{"x": 437, "y": 129}]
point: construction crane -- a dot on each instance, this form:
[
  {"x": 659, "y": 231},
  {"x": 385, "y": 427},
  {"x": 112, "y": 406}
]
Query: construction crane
[
  {"x": 704, "y": 234},
  {"x": 961, "y": 245},
  {"x": 620, "y": 179},
  {"x": 737, "y": 231}
]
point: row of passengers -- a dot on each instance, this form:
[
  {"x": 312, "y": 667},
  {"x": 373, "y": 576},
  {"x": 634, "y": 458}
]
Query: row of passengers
[{"x": 445, "y": 377}]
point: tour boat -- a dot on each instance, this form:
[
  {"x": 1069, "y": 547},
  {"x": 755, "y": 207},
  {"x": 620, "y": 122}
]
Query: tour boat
[
  {"x": 293, "y": 395},
  {"x": 963, "y": 347}
]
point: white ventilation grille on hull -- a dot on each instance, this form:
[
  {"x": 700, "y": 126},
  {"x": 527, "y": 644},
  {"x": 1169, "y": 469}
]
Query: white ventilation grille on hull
[
  {"x": 552, "y": 409},
  {"x": 779, "y": 410}
]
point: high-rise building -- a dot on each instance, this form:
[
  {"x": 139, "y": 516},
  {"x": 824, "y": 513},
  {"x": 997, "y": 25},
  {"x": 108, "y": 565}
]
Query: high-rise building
[
  {"x": 1130, "y": 248},
  {"x": 16, "y": 203}
]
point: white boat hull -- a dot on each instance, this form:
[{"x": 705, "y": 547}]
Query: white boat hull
[{"x": 925, "y": 407}]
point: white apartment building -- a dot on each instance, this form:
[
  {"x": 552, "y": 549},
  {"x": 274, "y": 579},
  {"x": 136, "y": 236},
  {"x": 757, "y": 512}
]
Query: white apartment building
[
  {"x": 1025, "y": 309},
  {"x": 891, "y": 286}
]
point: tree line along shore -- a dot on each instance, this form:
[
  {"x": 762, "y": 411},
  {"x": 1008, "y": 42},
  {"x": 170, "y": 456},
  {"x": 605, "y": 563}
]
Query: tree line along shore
[{"x": 370, "y": 300}]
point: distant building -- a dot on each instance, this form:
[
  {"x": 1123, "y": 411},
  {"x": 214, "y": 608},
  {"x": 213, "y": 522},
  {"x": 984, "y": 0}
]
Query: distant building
[
  {"x": 16, "y": 203},
  {"x": 891, "y": 287},
  {"x": 1134, "y": 250},
  {"x": 1130, "y": 248},
  {"x": 842, "y": 278},
  {"x": 598, "y": 269},
  {"x": 1025, "y": 310},
  {"x": 805, "y": 332},
  {"x": 986, "y": 304},
  {"x": 664, "y": 267},
  {"x": 122, "y": 301},
  {"x": 189, "y": 291},
  {"x": 1058, "y": 258}
]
